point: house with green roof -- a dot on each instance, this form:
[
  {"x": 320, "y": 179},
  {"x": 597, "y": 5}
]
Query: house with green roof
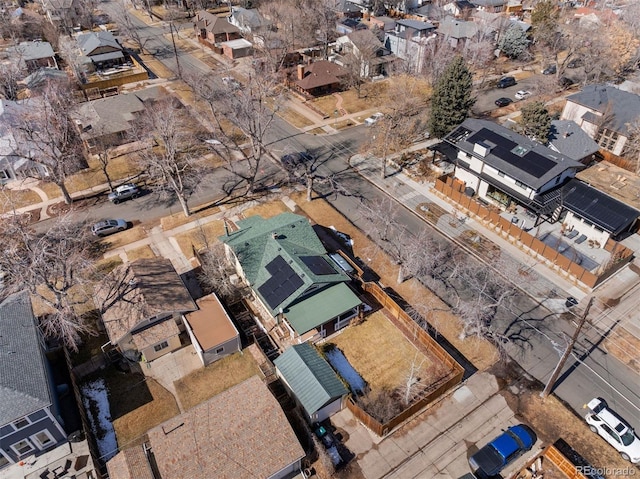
[
  {"x": 292, "y": 276},
  {"x": 311, "y": 382}
]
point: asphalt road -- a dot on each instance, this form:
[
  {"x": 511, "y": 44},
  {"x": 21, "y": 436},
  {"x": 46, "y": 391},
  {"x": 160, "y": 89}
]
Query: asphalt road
[{"x": 544, "y": 332}]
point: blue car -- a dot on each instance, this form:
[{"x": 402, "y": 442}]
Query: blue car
[{"x": 500, "y": 452}]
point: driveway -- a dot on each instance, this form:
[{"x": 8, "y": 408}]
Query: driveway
[{"x": 438, "y": 441}]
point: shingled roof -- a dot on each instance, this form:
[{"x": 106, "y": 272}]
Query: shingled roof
[
  {"x": 319, "y": 74},
  {"x": 241, "y": 432},
  {"x": 130, "y": 463},
  {"x": 310, "y": 377},
  {"x": 24, "y": 384}
]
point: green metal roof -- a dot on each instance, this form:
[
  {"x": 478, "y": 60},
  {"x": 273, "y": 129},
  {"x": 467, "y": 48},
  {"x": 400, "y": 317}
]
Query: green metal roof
[
  {"x": 317, "y": 309},
  {"x": 310, "y": 377},
  {"x": 259, "y": 241}
]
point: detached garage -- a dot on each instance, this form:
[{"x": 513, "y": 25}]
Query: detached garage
[
  {"x": 237, "y": 48},
  {"x": 311, "y": 382},
  {"x": 211, "y": 330}
]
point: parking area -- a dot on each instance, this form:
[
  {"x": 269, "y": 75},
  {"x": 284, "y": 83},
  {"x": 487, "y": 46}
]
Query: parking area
[{"x": 438, "y": 441}]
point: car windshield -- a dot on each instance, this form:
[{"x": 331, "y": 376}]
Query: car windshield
[{"x": 628, "y": 437}]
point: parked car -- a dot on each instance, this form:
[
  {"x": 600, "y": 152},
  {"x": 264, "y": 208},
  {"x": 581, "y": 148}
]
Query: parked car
[
  {"x": 505, "y": 82},
  {"x": 108, "y": 227},
  {"x": 522, "y": 94},
  {"x": 124, "y": 192},
  {"x": 373, "y": 119},
  {"x": 504, "y": 101},
  {"x": 550, "y": 70},
  {"x": 575, "y": 63},
  {"x": 504, "y": 449},
  {"x": 613, "y": 429},
  {"x": 565, "y": 82}
]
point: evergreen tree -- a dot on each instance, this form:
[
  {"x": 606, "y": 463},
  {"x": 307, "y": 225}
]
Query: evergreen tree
[
  {"x": 544, "y": 19},
  {"x": 536, "y": 121},
  {"x": 451, "y": 99},
  {"x": 514, "y": 42}
]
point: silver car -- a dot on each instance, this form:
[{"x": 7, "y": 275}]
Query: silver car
[{"x": 108, "y": 227}]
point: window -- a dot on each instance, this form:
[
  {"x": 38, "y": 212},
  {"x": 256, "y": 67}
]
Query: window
[
  {"x": 521, "y": 185},
  {"x": 161, "y": 346},
  {"x": 3, "y": 461},
  {"x": 607, "y": 139},
  {"x": 43, "y": 439},
  {"x": 4, "y": 175},
  {"x": 501, "y": 174},
  {"x": 20, "y": 423},
  {"x": 609, "y": 431},
  {"x": 219, "y": 350},
  {"x": 22, "y": 448}
]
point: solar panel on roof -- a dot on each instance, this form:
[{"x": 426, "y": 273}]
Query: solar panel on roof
[
  {"x": 318, "y": 265},
  {"x": 531, "y": 163},
  {"x": 283, "y": 282}
]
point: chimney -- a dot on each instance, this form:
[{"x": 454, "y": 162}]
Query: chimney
[{"x": 300, "y": 72}]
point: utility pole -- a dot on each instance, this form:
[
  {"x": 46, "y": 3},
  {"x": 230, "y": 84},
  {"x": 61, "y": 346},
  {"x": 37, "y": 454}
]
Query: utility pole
[
  {"x": 567, "y": 351},
  {"x": 175, "y": 50}
]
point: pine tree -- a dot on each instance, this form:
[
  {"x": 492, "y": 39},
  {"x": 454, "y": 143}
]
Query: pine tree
[
  {"x": 536, "y": 121},
  {"x": 451, "y": 99},
  {"x": 514, "y": 42}
]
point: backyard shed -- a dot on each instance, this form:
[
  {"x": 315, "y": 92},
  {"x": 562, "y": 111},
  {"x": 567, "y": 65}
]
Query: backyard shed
[
  {"x": 311, "y": 381},
  {"x": 211, "y": 330}
]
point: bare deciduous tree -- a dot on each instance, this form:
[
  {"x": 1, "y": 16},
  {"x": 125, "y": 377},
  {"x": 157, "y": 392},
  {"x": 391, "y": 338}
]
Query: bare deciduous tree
[
  {"x": 10, "y": 75},
  {"x": 216, "y": 271},
  {"x": 125, "y": 22},
  {"x": 56, "y": 267},
  {"x": 173, "y": 157},
  {"x": 48, "y": 136}
]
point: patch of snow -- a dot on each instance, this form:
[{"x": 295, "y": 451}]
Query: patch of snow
[
  {"x": 344, "y": 368},
  {"x": 96, "y": 392}
]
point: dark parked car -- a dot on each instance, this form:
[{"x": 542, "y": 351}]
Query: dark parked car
[
  {"x": 124, "y": 192},
  {"x": 550, "y": 70},
  {"x": 575, "y": 63},
  {"x": 504, "y": 101},
  {"x": 505, "y": 82},
  {"x": 504, "y": 449},
  {"x": 108, "y": 227},
  {"x": 565, "y": 82}
]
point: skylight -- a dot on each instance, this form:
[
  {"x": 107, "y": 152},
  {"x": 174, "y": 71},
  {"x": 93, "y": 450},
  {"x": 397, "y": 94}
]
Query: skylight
[{"x": 519, "y": 150}]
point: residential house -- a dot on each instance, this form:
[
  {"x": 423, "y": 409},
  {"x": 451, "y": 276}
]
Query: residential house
[
  {"x": 237, "y": 48},
  {"x": 34, "y": 55},
  {"x": 30, "y": 423},
  {"x": 63, "y": 13},
  {"x": 492, "y": 6},
  {"x": 108, "y": 121},
  {"x": 44, "y": 76},
  {"x": 318, "y": 78},
  {"x": 291, "y": 275},
  {"x": 348, "y": 25},
  {"x": 568, "y": 139},
  {"x": 241, "y": 432},
  {"x": 384, "y": 23},
  {"x": 457, "y": 32},
  {"x": 15, "y": 162},
  {"x": 248, "y": 21},
  {"x": 143, "y": 304},
  {"x": 311, "y": 381},
  {"x": 595, "y": 214},
  {"x": 211, "y": 330},
  {"x": 409, "y": 41},
  {"x": 459, "y": 8},
  {"x": 363, "y": 48},
  {"x": 347, "y": 9},
  {"x": 502, "y": 167},
  {"x": 211, "y": 29},
  {"x": 99, "y": 51},
  {"x": 606, "y": 113}
]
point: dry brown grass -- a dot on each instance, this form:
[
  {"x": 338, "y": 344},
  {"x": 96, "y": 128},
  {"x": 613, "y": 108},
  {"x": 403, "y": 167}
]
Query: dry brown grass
[
  {"x": 50, "y": 189},
  {"x": 143, "y": 252},
  {"x": 124, "y": 238},
  {"x": 362, "y": 345},
  {"x": 480, "y": 352},
  {"x": 200, "y": 237},
  {"x": 294, "y": 118},
  {"x": 178, "y": 219},
  {"x": 119, "y": 168},
  {"x": 372, "y": 96},
  {"x": 137, "y": 404},
  {"x": 266, "y": 210},
  {"x": 14, "y": 199},
  {"x": 206, "y": 382}
]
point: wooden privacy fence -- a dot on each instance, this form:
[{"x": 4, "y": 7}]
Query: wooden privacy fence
[
  {"x": 423, "y": 341},
  {"x": 620, "y": 254}
]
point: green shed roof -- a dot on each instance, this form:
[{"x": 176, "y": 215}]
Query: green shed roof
[
  {"x": 310, "y": 377},
  {"x": 283, "y": 259},
  {"x": 325, "y": 304}
]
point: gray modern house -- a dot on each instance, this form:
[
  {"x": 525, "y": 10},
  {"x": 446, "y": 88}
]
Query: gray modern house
[{"x": 29, "y": 419}]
